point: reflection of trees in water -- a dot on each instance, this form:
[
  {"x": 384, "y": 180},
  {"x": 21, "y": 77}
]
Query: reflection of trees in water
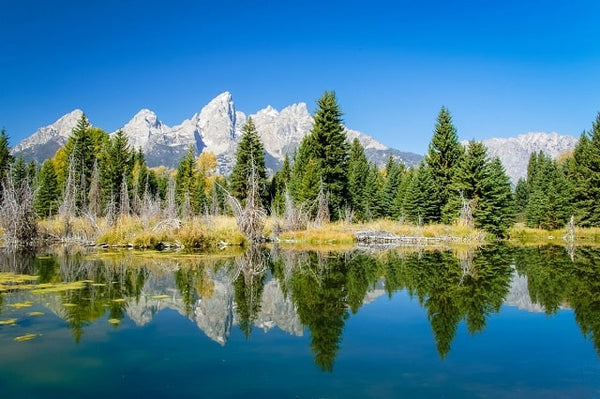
[
  {"x": 248, "y": 275},
  {"x": 326, "y": 287},
  {"x": 556, "y": 277}
]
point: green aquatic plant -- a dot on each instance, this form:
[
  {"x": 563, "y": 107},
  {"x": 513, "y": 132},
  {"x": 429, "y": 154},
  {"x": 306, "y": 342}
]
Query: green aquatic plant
[{"x": 26, "y": 337}]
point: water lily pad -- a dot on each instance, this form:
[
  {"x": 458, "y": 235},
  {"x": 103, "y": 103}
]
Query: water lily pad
[
  {"x": 119, "y": 300},
  {"x": 35, "y": 313},
  {"x": 8, "y": 322},
  {"x": 114, "y": 321},
  {"x": 69, "y": 305},
  {"x": 26, "y": 337},
  {"x": 20, "y": 305},
  {"x": 160, "y": 296}
]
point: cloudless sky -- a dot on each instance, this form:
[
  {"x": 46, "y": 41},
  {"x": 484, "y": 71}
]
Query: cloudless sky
[{"x": 501, "y": 67}]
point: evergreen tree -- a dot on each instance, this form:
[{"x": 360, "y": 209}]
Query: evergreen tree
[
  {"x": 495, "y": 210},
  {"x": 19, "y": 172},
  {"x": 549, "y": 196},
  {"x": 467, "y": 180},
  {"x": 443, "y": 155},
  {"x": 250, "y": 153},
  {"x": 584, "y": 175},
  {"x": 116, "y": 166},
  {"x": 358, "y": 173},
  {"x": 47, "y": 194},
  {"x": 393, "y": 178},
  {"x": 521, "y": 199},
  {"x": 398, "y": 211},
  {"x": 326, "y": 147},
  {"x": 278, "y": 187},
  {"x": 482, "y": 187},
  {"x": 186, "y": 181},
  {"x": 422, "y": 201},
  {"x": 6, "y": 159},
  {"x": 374, "y": 206}
]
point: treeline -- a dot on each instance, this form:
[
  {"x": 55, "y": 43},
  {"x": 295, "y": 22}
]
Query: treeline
[
  {"x": 556, "y": 190},
  {"x": 326, "y": 178}
]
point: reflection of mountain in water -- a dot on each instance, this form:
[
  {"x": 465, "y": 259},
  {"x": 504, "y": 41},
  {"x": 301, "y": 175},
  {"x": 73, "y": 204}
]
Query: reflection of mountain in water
[
  {"x": 518, "y": 295},
  {"x": 214, "y": 315}
]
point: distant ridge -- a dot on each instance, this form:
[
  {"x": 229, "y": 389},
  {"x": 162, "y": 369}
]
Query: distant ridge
[{"x": 216, "y": 128}]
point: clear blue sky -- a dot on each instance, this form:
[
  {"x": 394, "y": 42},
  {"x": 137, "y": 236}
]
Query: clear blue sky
[{"x": 501, "y": 67}]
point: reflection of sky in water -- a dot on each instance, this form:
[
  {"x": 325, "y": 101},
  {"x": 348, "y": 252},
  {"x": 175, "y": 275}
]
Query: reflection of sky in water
[{"x": 387, "y": 348}]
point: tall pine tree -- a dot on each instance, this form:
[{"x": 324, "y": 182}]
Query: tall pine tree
[
  {"x": 358, "y": 173},
  {"x": 325, "y": 149},
  {"x": 443, "y": 156},
  {"x": 250, "y": 154},
  {"x": 584, "y": 175}
]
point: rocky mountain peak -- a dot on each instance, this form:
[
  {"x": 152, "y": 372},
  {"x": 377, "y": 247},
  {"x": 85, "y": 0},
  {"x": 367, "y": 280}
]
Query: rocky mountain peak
[{"x": 514, "y": 152}]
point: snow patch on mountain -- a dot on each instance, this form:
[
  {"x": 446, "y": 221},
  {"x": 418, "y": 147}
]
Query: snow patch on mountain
[
  {"x": 45, "y": 141},
  {"x": 216, "y": 128},
  {"x": 514, "y": 152}
]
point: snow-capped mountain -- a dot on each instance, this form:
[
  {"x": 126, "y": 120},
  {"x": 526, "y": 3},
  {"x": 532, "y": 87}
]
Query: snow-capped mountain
[
  {"x": 216, "y": 128},
  {"x": 44, "y": 143},
  {"x": 514, "y": 152}
]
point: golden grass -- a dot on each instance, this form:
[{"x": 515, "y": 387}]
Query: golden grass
[
  {"x": 527, "y": 235},
  {"x": 343, "y": 233},
  {"x": 198, "y": 232},
  {"x": 213, "y": 232}
]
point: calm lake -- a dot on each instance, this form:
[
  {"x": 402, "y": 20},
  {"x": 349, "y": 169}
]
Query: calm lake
[{"x": 495, "y": 322}]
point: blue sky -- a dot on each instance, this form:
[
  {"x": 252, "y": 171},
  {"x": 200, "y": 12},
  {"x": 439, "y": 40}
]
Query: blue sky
[{"x": 501, "y": 67}]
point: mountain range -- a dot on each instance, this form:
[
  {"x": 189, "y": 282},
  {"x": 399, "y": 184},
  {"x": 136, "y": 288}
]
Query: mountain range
[{"x": 217, "y": 128}]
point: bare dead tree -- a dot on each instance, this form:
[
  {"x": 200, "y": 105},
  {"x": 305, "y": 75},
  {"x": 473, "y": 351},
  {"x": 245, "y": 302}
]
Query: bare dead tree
[
  {"x": 124, "y": 208},
  {"x": 466, "y": 211},
  {"x": 18, "y": 218},
  {"x": 68, "y": 205},
  {"x": 252, "y": 216},
  {"x": 95, "y": 193},
  {"x": 111, "y": 210},
  {"x": 136, "y": 201},
  {"x": 187, "y": 212},
  {"x": 322, "y": 206},
  {"x": 170, "y": 211},
  {"x": 294, "y": 217}
]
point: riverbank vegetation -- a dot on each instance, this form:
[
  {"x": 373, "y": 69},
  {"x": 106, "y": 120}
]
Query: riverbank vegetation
[{"x": 98, "y": 189}]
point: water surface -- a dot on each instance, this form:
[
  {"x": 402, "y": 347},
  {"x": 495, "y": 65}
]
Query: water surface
[{"x": 495, "y": 322}]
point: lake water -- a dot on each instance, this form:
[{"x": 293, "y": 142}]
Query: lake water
[{"x": 495, "y": 322}]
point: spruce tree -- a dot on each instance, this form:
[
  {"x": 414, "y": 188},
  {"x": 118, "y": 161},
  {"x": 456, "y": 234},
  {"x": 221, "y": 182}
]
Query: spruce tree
[
  {"x": 495, "y": 211},
  {"x": 6, "y": 159},
  {"x": 186, "y": 180},
  {"x": 584, "y": 176},
  {"x": 470, "y": 173},
  {"x": 47, "y": 194},
  {"x": 358, "y": 173},
  {"x": 422, "y": 201},
  {"x": 116, "y": 165},
  {"x": 393, "y": 178},
  {"x": 326, "y": 147},
  {"x": 443, "y": 156},
  {"x": 250, "y": 154},
  {"x": 549, "y": 196},
  {"x": 278, "y": 187}
]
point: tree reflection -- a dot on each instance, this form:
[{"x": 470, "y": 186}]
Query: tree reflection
[
  {"x": 555, "y": 279},
  {"x": 248, "y": 282}
]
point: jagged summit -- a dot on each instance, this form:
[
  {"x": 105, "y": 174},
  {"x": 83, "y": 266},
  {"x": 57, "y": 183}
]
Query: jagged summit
[
  {"x": 216, "y": 128},
  {"x": 142, "y": 127},
  {"x": 45, "y": 141},
  {"x": 514, "y": 152}
]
